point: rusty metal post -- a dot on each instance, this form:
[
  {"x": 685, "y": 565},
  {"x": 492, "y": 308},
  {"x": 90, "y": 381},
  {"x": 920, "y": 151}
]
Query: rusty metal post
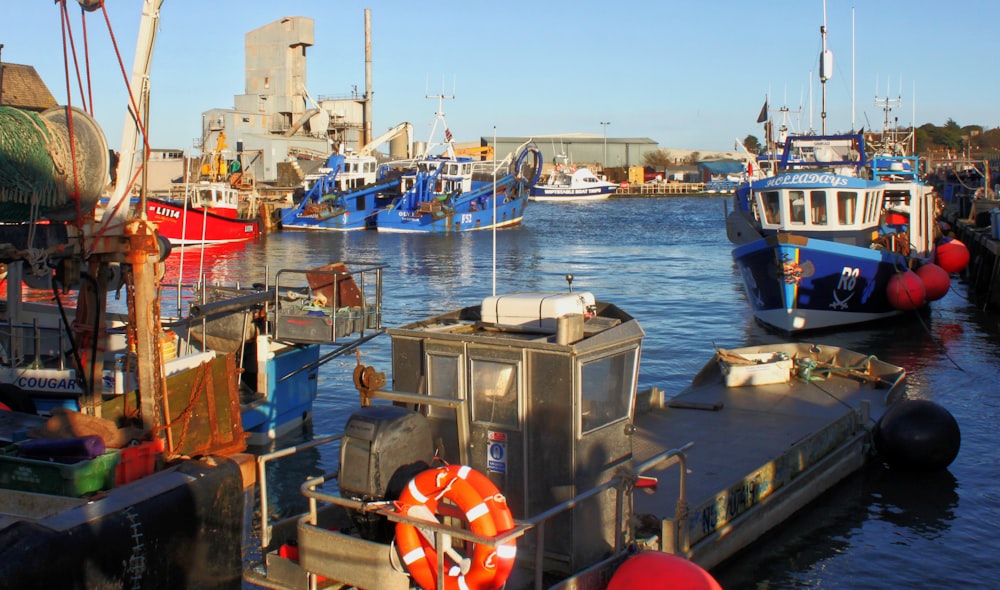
[{"x": 144, "y": 309}]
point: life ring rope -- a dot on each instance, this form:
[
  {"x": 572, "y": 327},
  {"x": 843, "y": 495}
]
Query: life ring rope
[{"x": 484, "y": 509}]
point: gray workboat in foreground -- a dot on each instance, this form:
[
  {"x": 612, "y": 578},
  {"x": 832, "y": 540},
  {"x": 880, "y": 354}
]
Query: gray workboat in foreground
[{"x": 536, "y": 393}]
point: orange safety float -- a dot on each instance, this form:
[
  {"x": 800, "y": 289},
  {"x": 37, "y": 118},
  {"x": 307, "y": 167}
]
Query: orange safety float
[
  {"x": 487, "y": 568},
  {"x": 502, "y": 518}
]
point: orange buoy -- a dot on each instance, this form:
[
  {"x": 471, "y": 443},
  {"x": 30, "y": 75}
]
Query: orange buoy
[
  {"x": 951, "y": 255},
  {"x": 936, "y": 281},
  {"x": 905, "y": 291},
  {"x": 655, "y": 569}
]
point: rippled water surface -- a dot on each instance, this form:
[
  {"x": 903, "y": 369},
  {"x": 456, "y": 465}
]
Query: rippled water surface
[{"x": 667, "y": 262}]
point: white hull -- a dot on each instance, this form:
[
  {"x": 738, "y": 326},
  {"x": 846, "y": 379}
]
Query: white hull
[{"x": 558, "y": 198}]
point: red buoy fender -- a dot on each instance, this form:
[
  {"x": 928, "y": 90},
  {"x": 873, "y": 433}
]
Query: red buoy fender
[
  {"x": 654, "y": 569},
  {"x": 951, "y": 255},
  {"x": 905, "y": 291},
  {"x": 936, "y": 281},
  {"x": 420, "y": 499}
]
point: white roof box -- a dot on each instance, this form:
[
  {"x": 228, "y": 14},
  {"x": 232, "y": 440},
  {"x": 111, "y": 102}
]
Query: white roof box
[{"x": 535, "y": 310}]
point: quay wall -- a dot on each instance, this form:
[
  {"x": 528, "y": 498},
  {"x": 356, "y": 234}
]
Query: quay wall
[
  {"x": 659, "y": 189},
  {"x": 982, "y": 275}
]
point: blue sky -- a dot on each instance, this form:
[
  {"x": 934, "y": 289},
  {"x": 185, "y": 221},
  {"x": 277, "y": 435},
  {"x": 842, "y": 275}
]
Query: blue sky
[{"x": 690, "y": 75}]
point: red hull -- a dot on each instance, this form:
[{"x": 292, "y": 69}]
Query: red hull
[{"x": 199, "y": 226}]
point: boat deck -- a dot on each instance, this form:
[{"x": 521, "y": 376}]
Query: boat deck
[{"x": 750, "y": 442}]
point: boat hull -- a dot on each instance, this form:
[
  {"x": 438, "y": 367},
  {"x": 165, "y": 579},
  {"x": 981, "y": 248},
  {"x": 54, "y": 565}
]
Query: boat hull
[
  {"x": 474, "y": 211},
  {"x": 290, "y": 406},
  {"x": 543, "y": 193},
  {"x": 198, "y": 226},
  {"x": 355, "y": 210},
  {"x": 177, "y": 528},
  {"x": 795, "y": 283},
  {"x": 264, "y": 417}
]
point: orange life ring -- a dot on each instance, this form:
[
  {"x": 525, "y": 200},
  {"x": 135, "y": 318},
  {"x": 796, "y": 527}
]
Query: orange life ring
[
  {"x": 502, "y": 519},
  {"x": 420, "y": 499}
]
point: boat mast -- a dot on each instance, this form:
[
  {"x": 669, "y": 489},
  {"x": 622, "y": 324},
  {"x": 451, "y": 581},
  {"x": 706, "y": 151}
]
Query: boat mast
[
  {"x": 118, "y": 209},
  {"x": 439, "y": 118},
  {"x": 825, "y": 71}
]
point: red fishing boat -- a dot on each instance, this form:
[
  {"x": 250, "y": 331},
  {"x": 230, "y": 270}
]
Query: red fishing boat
[{"x": 211, "y": 212}]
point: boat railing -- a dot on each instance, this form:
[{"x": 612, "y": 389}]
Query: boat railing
[
  {"x": 16, "y": 346},
  {"x": 624, "y": 485},
  {"x": 337, "y": 300}
]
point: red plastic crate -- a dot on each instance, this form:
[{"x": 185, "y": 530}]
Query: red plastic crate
[{"x": 136, "y": 462}]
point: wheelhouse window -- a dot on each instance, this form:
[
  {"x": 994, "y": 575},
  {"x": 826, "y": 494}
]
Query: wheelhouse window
[
  {"x": 797, "y": 207},
  {"x": 817, "y": 208},
  {"x": 606, "y": 388},
  {"x": 872, "y": 206},
  {"x": 847, "y": 207},
  {"x": 772, "y": 207},
  {"x": 494, "y": 392},
  {"x": 445, "y": 379}
]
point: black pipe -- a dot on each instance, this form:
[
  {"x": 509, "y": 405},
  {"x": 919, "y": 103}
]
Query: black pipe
[{"x": 237, "y": 303}]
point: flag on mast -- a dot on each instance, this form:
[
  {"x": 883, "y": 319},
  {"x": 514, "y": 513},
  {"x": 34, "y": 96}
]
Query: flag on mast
[{"x": 763, "y": 112}]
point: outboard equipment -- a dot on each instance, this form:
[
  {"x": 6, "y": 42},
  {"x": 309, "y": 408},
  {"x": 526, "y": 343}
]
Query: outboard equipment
[{"x": 383, "y": 448}]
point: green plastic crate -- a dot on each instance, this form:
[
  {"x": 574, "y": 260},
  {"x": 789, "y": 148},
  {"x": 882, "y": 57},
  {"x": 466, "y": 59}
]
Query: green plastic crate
[{"x": 60, "y": 479}]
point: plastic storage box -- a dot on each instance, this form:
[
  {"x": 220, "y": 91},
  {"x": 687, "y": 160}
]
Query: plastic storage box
[
  {"x": 764, "y": 369},
  {"x": 60, "y": 479},
  {"x": 136, "y": 462}
]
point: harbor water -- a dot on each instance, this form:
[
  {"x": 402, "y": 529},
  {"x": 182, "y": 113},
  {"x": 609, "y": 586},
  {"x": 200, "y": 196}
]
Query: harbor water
[{"x": 667, "y": 262}]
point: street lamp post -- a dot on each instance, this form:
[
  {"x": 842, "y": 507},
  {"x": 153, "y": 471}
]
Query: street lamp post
[{"x": 605, "y": 124}]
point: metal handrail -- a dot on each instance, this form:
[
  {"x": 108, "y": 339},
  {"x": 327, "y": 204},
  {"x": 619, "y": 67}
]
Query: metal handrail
[
  {"x": 624, "y": 484},
  {"x": 262, "y": 461}
]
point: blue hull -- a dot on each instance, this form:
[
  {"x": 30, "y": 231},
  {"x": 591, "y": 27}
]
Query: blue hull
[
  {"x": 348, "y": 212},
  {"x": 795, "y": 283},
  {"x": 289, "y": 403},
  {"x": 294, "y": 219},
  {"x": 469, "y": 212}
]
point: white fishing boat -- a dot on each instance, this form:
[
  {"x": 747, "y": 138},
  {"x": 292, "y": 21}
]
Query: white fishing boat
[{"x": 567, "y": 182}]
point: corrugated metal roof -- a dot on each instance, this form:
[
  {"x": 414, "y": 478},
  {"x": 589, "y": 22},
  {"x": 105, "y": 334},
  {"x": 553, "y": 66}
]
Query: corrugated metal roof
[{"x": 23, "y": 88}]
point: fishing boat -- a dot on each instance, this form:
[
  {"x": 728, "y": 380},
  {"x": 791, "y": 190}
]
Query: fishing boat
[
  {"x": 209, "y": 213},
  {"x": 220, "y": 207},
  {"x": 448, "y": 193},
  {"x": 567, "y": 182},
  {"x": 839, "y": 231},
  {"x": 279, "y": 334},
  {"x": 348, "y": 191},
  {"x": 144, "y": 489},
  {"x": 509, "y": 449}
]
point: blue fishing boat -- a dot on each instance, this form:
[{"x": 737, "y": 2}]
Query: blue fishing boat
[
  {"x": 448, "y": 193},
  {"x": 349, "y": 190},
  {"x": 828, "y": 236}
]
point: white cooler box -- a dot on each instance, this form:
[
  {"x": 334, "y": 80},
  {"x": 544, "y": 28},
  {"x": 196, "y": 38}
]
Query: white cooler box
[{"x": 535, "y": 310}]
